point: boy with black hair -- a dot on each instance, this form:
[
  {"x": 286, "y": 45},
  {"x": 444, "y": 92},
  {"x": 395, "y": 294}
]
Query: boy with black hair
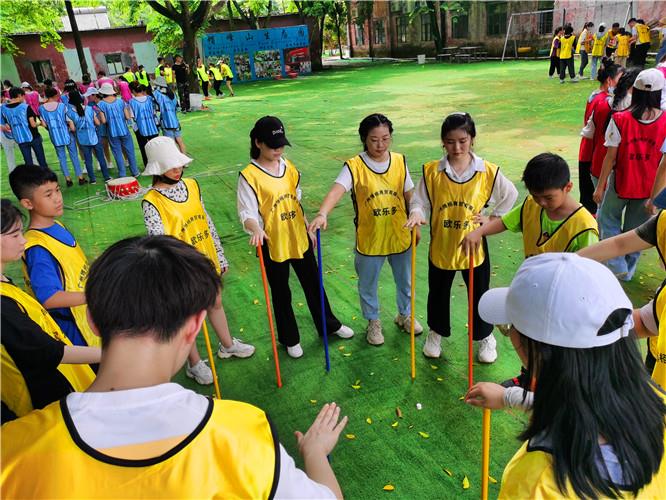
[
  {"x": 135, "y": 433},
  {"x": 55, "y": 267},
  {"x": 567, "y": 54},
  {"x": 19, "y": 122}
]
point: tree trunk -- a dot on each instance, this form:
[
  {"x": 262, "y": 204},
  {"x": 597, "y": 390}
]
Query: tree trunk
[
  {"x": 437, "y": 25},
  {"x": 371, "y": 47},
  {"x": 189, "y": 54},
  {"x": 337, "y": 29},
  {"x": 349, "y": 30},
  {"x": 77, "y": 38}
]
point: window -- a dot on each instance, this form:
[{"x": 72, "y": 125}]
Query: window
[
  {"x": 496, "y": 18},
  {"x": 401, "y": 28},
  {"x": 360, "y": 38},
  {"x": 43, "y": 70},
  {"x": 460, "y": 21},
  {"x": 398, "y": 6},
  {"x": 378, "y": 32},
  {"x": 114, "y": 64},
  {"x": 545, "y": 20},
  {"x": 426, "y": 28}
]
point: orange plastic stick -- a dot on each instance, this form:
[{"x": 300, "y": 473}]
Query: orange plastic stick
[{"x": 270, "y": 315}]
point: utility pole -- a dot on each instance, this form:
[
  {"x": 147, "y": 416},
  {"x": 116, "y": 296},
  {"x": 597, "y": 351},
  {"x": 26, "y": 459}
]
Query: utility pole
[{"x": 77, "y": 37}]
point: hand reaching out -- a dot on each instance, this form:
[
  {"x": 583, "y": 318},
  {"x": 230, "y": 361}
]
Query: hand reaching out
[{"x": 322, "y": 436}]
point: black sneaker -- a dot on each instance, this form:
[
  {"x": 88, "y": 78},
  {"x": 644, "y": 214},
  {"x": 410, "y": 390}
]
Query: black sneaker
[
  {"x": 82, "y": 181},
  {"x": 522, "y": 380},
  {"x": 69, "y": 183}
]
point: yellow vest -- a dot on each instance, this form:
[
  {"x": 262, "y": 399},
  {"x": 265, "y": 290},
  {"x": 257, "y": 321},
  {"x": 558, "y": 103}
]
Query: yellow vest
[
  {"x": 380, "y": 206},
  {"x": 529, "y": 474},
  {"x": 552, "y": 48},
  {"x": 657, "y": 345},
  {"x": 168, "y": 74},
  {"x": 15, "y": 393},
  {"x": 231, "y": 455},
  {"x": 186, "y": 220},
  {"x": 73, "y": 273},
  {"x": 622, "y": 46},
  {"x": 599, "y": 45},
  {"x": 129, "y": 76},
  {"x": 203, "y": 73},
  {"x": 159, "y": 70},
  {"x": 280, "y": 211},
  {"x": 142, "y": 77},
  {"x": 226, "y": 70},
  {"x": 566, "y": 47},
  {"x": 643, "y": 31},
  {"x": 216, "y": 73},
  {"x": 535, "y": 241},
  {"x": 453, "y": 205}
]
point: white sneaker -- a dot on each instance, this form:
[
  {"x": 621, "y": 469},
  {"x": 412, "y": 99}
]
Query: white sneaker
[
  {"x": 238, "y": 349},
  {"x": 433, "y": 345},
  {"x": 487, "y": 350},
  {"x": 344, "y": 332},
  {"x": 200, "y": 372},
  {"x": 295, "y": 351},
  {"x": 374, "y": 332},
  {"x": 405, "y": 322}
]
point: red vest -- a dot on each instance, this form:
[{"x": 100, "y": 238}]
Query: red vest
[
  {"x": 586, "y": 145},
  {"x": 638, "y": 155},
  {"x": 602, "y": 111}
]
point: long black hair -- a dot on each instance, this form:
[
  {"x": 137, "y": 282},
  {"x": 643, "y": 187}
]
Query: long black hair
[
  {"x": 625, "y": 82},
  {"x": 9, "y": 216},
  {"x": 644, "y": 100},
  {"x": 370, "y": 122},
  {"x": 76, "y": 100},
  {"x": 582, "y": 395},
  {"x": 457, "y": 121},
  {"x": 608, "y": 69}
]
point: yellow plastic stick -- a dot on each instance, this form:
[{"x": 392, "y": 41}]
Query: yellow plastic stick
[
  {"x": 212, "y": 360},
  {"x": 485, "y": 453}
]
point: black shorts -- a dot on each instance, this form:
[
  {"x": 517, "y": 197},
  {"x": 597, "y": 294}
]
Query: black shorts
[{"x": 229, "y": 78}]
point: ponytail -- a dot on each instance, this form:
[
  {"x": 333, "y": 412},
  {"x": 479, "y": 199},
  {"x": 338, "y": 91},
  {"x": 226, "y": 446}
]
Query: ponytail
[{"x": 608, "y": 69}]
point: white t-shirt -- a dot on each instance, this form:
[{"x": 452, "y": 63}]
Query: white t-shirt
[
  {"x": 613, "y": 137},
  {"x": 111, "y": 419},
  {"x": 379, "y": 167}
]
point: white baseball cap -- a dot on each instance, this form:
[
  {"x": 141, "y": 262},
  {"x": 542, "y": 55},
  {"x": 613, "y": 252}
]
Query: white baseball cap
[
  {"x": 650, "y": 80},
  {"x": 163, "y": 154},
  {"x": 106, "y": 89},
  {"x": 564, "y": 300},
  {"x": 90, "y": 91},
  {"x": 26, "y": 85}
]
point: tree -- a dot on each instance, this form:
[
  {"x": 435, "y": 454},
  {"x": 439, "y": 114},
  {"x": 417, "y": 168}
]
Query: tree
[
  {"x": 252, "y": 10},
  {"x": 365, "y": 12},
  {"x": 36, "y": 16},
  {"x": 192, "y": 17},
  {"x": 338, "y": 15},
  {"x": 437, "y": 26}
]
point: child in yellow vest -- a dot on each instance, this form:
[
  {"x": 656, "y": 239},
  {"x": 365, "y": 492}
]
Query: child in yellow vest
[
  {"x": 555, "y": 52},
  {"x": 269, "y": 207},
  {"x": 134, "y": 433},
  {"x": 204, "y": 79},
  {"x": 39, "y": 364},
  {"x": 174, "y": 206},
  {"x": 381, "y": 190},
  {"x": 598, "y": 49},
  {"x": 228, "y": 75},
  {"x": 622, "y": 51},
  {"x": 454, "y": 190},
  {"x": 55, "y": 267},
  {"x": 567, "y": 54},
  {"x": 215, "y": 73}
]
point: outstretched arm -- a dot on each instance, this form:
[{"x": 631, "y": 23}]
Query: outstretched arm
[{"x": 332, "y": 198}]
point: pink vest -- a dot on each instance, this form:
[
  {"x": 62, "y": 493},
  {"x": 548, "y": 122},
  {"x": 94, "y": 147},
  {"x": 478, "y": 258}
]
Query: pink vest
[
  {"x": 125, "y": 92},
  {"x": 638, "y": 155},
  {"x": 586, "y": 145}
]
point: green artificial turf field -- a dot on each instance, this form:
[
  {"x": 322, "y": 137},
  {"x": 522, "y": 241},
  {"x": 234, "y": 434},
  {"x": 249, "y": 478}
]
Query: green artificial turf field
[{"x": 518, "y": 111}]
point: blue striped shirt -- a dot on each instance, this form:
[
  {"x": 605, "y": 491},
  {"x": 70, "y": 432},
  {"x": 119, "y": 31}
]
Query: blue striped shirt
[
  {"x": 115, "y": 117},
  {"x": 168, "y": 117},
  {"x": 85, "y": 125},
  {"x": 144, "y": 115},
  {"x": 17, "y": 118},
  {"x": 57, "y": 124}
]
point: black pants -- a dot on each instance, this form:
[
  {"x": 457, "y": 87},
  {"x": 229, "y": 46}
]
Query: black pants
[
  {"x": 216, "y": 87},
  {"x": 564, "y": 64},
  {"x": 204, "y": 87},
  {"x": 641, "y": 53},
  {"x": 583, "y": 62},
  {"x": 610, "y": 51},
  {"x": 308, "y": 275},
  {"x": 554, "y": 65},
  {"x": 141, "y": 141},
  {"x": 586, "y": 187},
  {"x": 184, "y": 96},
  {"x": 439, "y": 297}
]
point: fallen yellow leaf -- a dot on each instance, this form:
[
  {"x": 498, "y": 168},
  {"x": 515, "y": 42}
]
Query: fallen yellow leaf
[
  {"x": 465, "y": 483},
  {"x": 398, "y": 412},
  {"x": 389, "y": 487},
  {"x": 357, "y": 387},
  {"x": 368, "y": 420},
  {"x": 353, "y": 318},
  {"x": 313, "y": 401},
  {"x": 439, "y": 379},
  {"x": 492, "y": 479},
  {"x": 346, "y": 354},
  {"x": 461, "y": 398},
  {"x": 350, "y": 436},
  {"x": 241, "y": 330},
  {"x": 394, "y": 425},
  {"x": 447, "y": 471},
  {"x": 341, "y": 348},
  {"x": 300, "y": 304},
  {"x": 424, "y": 435},
  {"x": 255, "y": 301},
  {"x": 358, "y": 382},
  {"x": 434, "y": 367}
]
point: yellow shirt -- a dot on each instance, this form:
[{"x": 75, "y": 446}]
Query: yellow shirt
[
  {"x": 453, "y": 205},
  {"x": 379, "y": 202},
  {"x": 129, "y": 77},
  {"x": 168, "y": 74},
  {"x": 280, "y": 210},
  {"x": 643, "y": 31},
  {"x": 73, "y": 274},
  {"x": 226, "y": 70},
  {"x": 622, "y": 46},
  {"x": 217, "y": 74},
  {"x": 232, "y": 454},
  {"x": 599, "y": 44},
  {"x": 202, "y": 72},
  {"x": 566, "y": 46}
]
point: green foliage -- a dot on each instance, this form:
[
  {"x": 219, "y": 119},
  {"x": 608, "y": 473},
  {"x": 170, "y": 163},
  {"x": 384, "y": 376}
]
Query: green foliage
[{"x": 31, "y": 16}]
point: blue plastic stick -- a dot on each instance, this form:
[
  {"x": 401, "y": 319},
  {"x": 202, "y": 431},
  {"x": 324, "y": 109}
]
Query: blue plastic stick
[{"x": 321, "y": 299}]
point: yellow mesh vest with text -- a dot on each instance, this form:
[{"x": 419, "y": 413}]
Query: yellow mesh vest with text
[
  {"x": 566, "y": 47},
  {"x": 186, "y": 220},
  {"x": 202, "y": 72},
  {"x": 232, "y": 455},
  {"x": 280, "y": 210},
  {"x": 643, "y": 31},
  {"x": 379, "y": 201},
  {"x": 658, "y": 305},
  {"x": 453, "y": 205},
  {"x": 535, "y": 241},
  {"x": 530, "y": 474},
  {"x": 73, "y": 267},
  {"x": 15, "y": 393}
]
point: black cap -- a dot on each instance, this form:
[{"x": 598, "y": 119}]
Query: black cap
[{"x": 270, "y": 131}]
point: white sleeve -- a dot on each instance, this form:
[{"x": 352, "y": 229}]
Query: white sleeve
[
  {"x": 294, "y": 483},
  {"x": 588, "y": 130},
  {"x": 246, "y": 202},
  {"x": 613, "y": 137},
  {"x": 504, "y": 195},
  {"x": 409, "y": 183},
  {"x": 516, "y": 397},
  {"x": 663, "y": 147},
  {"x": 420, "y": 203},
  {"x": 345, "y": 178}
]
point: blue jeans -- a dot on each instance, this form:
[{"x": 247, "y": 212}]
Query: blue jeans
[
  {"x": 615, "y": 216},
  {"x": 368, "y": 268},
  {"x": 583, "y": 62},
  {"x": 118, "y": 145},
  {"x": 662, "y": 51},
  {"x": 593, "y": 67},
  {"x": 61, "y": 152},
  {"x": 88, "y": 151},
  {"x": 36, "y": 146}
]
